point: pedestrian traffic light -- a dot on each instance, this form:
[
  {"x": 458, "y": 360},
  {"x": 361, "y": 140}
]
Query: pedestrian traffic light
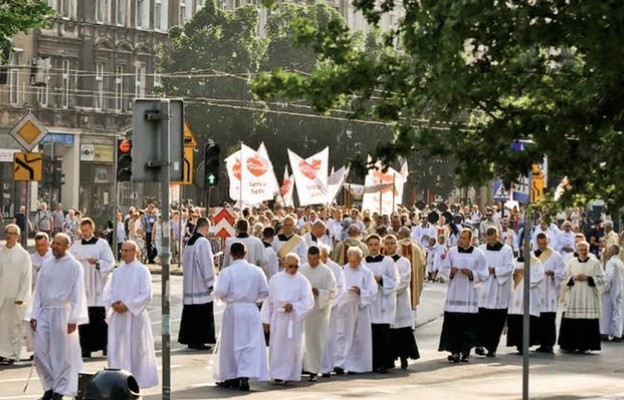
[
  {"x": 213, "y": 153},
  {"x": 124, "y": 160}
]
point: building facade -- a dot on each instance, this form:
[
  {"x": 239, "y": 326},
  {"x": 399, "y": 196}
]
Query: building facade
[{"x": 79, "y": 76}]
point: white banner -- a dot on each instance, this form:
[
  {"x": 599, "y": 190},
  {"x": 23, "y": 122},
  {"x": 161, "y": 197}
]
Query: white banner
[
  {"x": 286, "y": 191},
  {"x": 257, "y": 176},
  {"x": 334, "y": 183},
  {"x": 263, "y": 151},
  {"x": 311, "y": 177},
  {"x": 384, "y": 191},
  {"x": 233, "y": 167}
]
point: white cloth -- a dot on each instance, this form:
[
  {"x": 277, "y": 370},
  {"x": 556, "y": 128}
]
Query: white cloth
[
  {"x": 440, "y": 253},
  {"x": 355, "y": 337},
  {"x": 130, "y": 338},
  {"x": 325, "y": 240},
  {"x": 420, "y": 233},
  {"x": 59, "y": 299},
  {"x": 316, "y": 323},
  {"x": 199, "y": 272},
  {"x": 509, "y": 237},
  {"x": 271, "y": 264},
  {"x": 286, "y": 342},
  {"x": 462, "y": 295},
  {"x": 580, "y": 300},
  {"x": 613, "y": 298},
  {"x": 15, "y": 285},
  {"x": 383, "y": 308},
  {"x": 255, "y": 250},
  {"x": 95, "y": 279},
  {"x": 564, "y": 239},
  {"x": 242, "y": 350},
  {"x": 329, "y": 354},
  {"x": 404, "y": 317},
  {"x": 550, "y": 287},
  {"x": 37, "y": 261},
  {"x": 495, "y": 291},
  {"x": 516, "y": 303}
]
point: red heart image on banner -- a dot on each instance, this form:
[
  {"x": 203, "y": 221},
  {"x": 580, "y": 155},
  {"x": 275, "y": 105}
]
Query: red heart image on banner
[
  {"x": 286, "y": 185},
  {"x": 236, "y": 169},
  {"x": 383, "y": 179},
  {"x": 256, "y": 166},
  {"x": 309, "y": 170}
]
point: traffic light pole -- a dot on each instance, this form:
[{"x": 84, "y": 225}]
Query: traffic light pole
[{"x": 164, "y": 257}]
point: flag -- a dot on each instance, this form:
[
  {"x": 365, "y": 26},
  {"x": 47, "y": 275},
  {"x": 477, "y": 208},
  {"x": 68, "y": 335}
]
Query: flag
[
  {"x": 286, "y": 190},
  {"x": 334, "y": 183},
  {"x": 257, "y": 176},
  {"x": 263, "y": 151},
  {"x": 383, "y": 191},
  {"x": 233, "y": 167},
  {"x": 310, "y": 175}
]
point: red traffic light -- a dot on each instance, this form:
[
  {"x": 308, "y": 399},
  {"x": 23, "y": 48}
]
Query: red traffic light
[{"x": 125, "y": 146}]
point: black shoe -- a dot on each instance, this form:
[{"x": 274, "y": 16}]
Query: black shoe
[
  {"x": 403, "y": 363},
  {"x": 616, "y": 340},
  {"x": 604, "y": 338},
  {"x": 278, "y": 381},
  {"x": 465, "y": 357},
  {"x": 353, "y": 373},
  {"x": 519, "y": 350},
  {"x": 105, "y": 352},
  {"x": 313, "y": 378},
  {"x": 545, "y": 349},
  {"x": 480, "y": 351},
  {"x": 200, "y": 346},
  {"x": 229, "y": 383},
  {"x": 339, "y": 371},
  {"x": 454, "y": 358},
  {"x": 490, "y": 354},
  {"x": 244, "y": 384},
  {"x": 327, "y": 375},
  {"x": 86, "y": 354},
  {"x": 57, "y": 396},
  {"x": 47, "y": 395}
]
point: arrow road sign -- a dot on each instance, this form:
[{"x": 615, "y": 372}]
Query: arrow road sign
[{"x": 27, "y": 167}]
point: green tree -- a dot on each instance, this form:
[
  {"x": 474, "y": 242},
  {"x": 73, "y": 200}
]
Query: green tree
[
  {"x": 475, "y": 76},
  {"x": 19, "y": 16}
]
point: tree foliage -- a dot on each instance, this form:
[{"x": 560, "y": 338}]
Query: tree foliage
[
  {"x": 18, "y": 16},
  {"x": 471, "y": 77}
]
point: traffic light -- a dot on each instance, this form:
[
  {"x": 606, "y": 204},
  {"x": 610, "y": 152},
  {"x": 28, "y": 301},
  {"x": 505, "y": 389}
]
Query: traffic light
[
  {"x": 213, "y": 153},
  {"x": 124, "y": 160}
]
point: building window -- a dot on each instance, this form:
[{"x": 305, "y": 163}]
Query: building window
[
  {"x": 119, "y": 87},
  {"x": 99, "y": 85},
  {"x": 14, "y": 79},
  {"x": 182, "y": 12},
  {"x": 140, "y": 9},
  {"x": 120, "y": 14},
  {"x": 65, "y": 84},
  {"x": 42, "y": 81},
  {"x": 139, "y": 82},
  {"x": 65, "y": 8},
  {"x": 157, "y": 15},
  {"x": 101, "y": 12}
]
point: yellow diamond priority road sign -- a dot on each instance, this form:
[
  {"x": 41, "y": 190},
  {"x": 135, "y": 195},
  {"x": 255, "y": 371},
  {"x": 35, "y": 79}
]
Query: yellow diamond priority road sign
[{"x": 28, "y": 132}]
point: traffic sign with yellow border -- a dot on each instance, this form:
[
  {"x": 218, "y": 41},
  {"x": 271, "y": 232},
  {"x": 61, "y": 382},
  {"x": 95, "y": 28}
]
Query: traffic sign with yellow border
[
  {"x": 27, "y": 167},
  {"x": 28, "y": 132}
]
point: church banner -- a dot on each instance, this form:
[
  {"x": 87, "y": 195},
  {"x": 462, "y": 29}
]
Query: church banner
[
  {"x": 257, "y": 176},
  {"x": 384, "y": 190},
  {"x": 310, "y": 176},
  {"x": 286, "y": 190}
]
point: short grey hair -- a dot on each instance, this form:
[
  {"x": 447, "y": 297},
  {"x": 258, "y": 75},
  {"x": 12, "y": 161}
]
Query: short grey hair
[{"x": 355, "y": 250}]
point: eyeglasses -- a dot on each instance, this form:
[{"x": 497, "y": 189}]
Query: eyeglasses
[{"x": 291, "y": 267}]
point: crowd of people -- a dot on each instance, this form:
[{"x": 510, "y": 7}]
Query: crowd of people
[{"x": 328, "y": 290}]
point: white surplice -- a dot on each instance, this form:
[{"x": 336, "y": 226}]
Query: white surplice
[
  {"x": 404, "y": 317},
  {"x": 95, "y": 279},
  {"x": 613, "y": 298},
  {"x": 495, "y": 291},
  {"x": 286, "y": 342},
  {"x": 316, "y": 323},
  {"x": 130, "y": 338},
  {"x": 462, "y": 295},
  {"x": 550, "y": 287},
  {"x": 580, "y": 300},
  {"x": 15, "y": 285},
  {"x": 37, "y": 261},
  {"x": 271, "y": 264},
  {"x": 329, "y": 354},
  {"x": 383, "y": 307},
  {"x": 242, "y": 350},
  {"x": 255, "y": 250},
  {"x": 516, "y": 302},
  {"x": 59, "y": 299},
  {"x": 355, "y": 338},
  {"x": 199, "y": 271}
]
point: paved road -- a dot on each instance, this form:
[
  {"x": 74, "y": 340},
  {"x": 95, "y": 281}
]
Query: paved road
[{"x": 559, "y": 376}]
